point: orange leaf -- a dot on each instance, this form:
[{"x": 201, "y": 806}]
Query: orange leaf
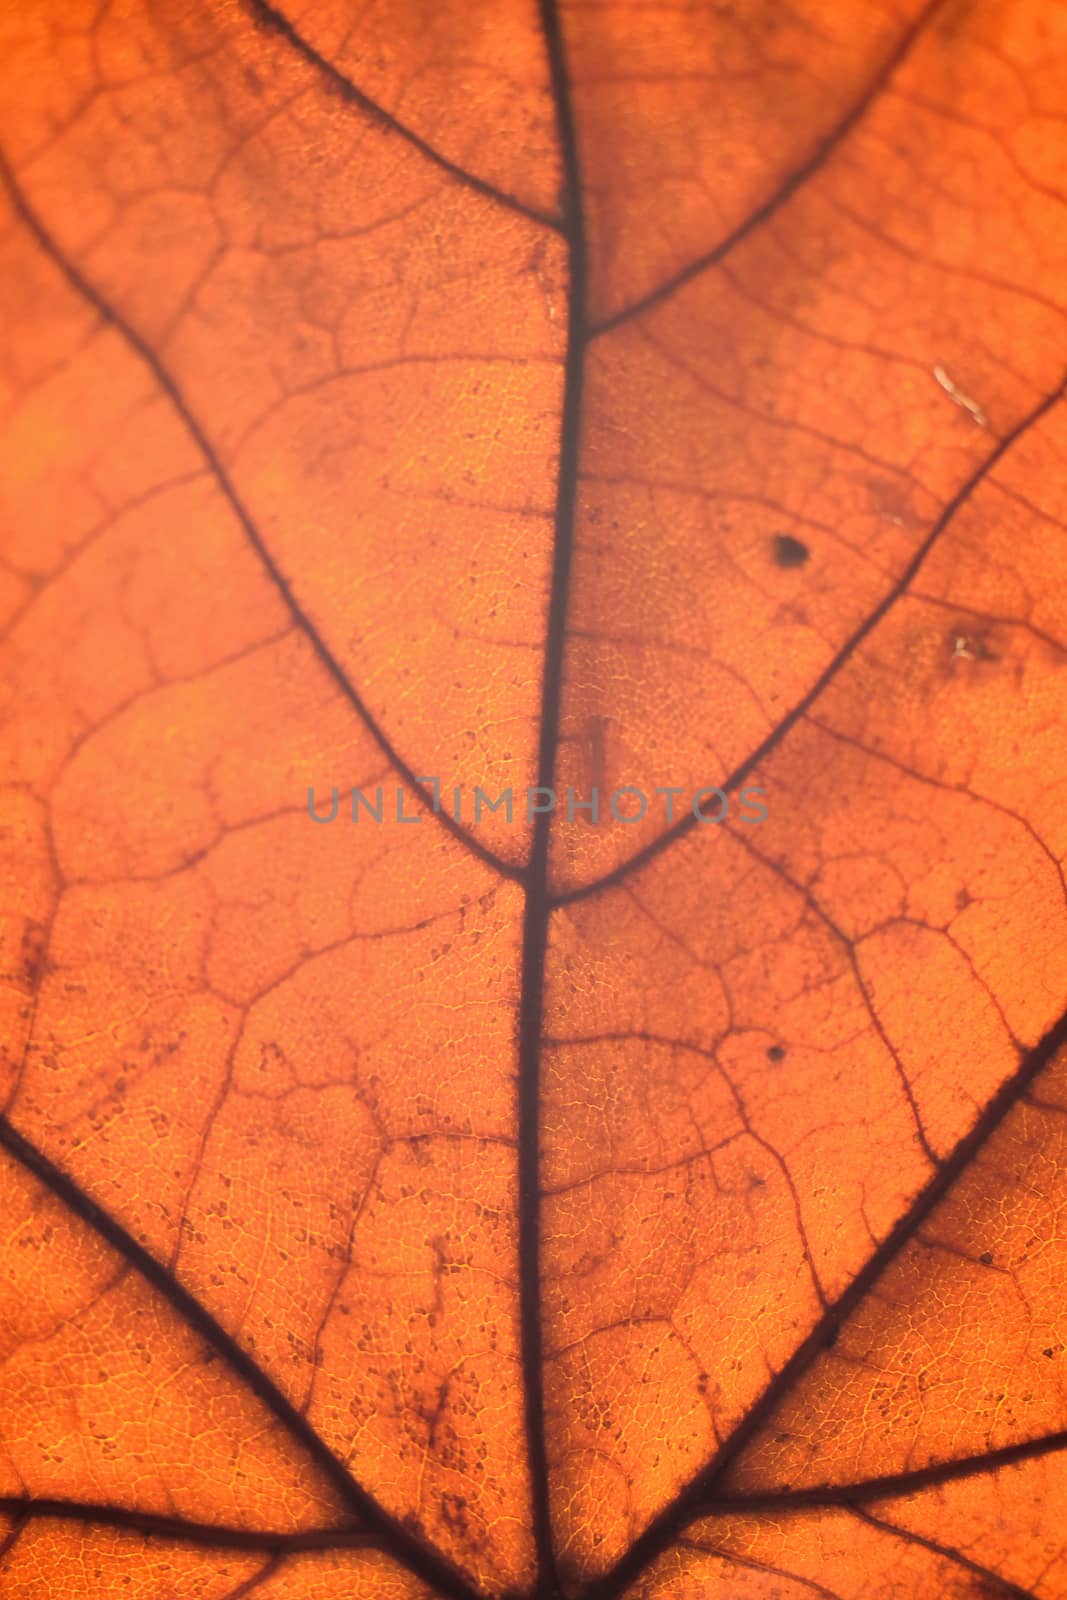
[{"x": 429, "y": 1198}]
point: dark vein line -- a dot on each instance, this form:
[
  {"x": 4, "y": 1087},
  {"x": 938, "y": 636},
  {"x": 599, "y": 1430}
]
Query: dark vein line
[
  {"x": 893, "y": 1484},
  {"x": 538, "y": 901},
  {"x": 847, "y": 946},
  {"x": 1005, "y": 1585},
  {"x": 786, "y": 189},
  {"x": 420, "y": 1559},
  {"x": 250, "y": 1585},
  {"x": 14, "y": 1533},
  {"x": 851, "y": 645},
  {"x": 733, "y": 1557},
  {"x": 303, "y": 621},
  {"x": 694, "y": 1500},
  {"x": 186, "y": 1530},
  {"x": 269, "y": 17}
]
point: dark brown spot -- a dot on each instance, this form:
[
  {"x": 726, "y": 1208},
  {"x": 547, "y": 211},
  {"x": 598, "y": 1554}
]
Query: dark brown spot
[{"x": 790, "y": 552}]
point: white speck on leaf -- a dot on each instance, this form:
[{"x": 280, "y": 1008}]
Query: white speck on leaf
[{"x": 972, "y": 407}]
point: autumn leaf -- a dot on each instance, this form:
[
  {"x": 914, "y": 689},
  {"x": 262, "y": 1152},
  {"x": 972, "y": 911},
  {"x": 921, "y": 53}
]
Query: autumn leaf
[{"x": 420, "y": 399}]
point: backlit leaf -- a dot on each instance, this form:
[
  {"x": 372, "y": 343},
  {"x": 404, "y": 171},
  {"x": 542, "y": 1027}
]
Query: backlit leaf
[{"x": 425, "y": 398}]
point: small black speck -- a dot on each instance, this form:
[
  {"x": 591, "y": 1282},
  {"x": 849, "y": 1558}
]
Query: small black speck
[
  {"x": 790, "y": 552},
  {"x": 776, "y": 1052},
  {"x": 1050, "y": 1352},
  {"x": 986, "y": 1258}
]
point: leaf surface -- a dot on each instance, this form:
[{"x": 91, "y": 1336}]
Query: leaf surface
[{"x": 457, "y": 1206}]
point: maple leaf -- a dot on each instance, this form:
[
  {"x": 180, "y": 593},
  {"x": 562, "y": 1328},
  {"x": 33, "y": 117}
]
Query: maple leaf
[{"x": 536, "y": 398}]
